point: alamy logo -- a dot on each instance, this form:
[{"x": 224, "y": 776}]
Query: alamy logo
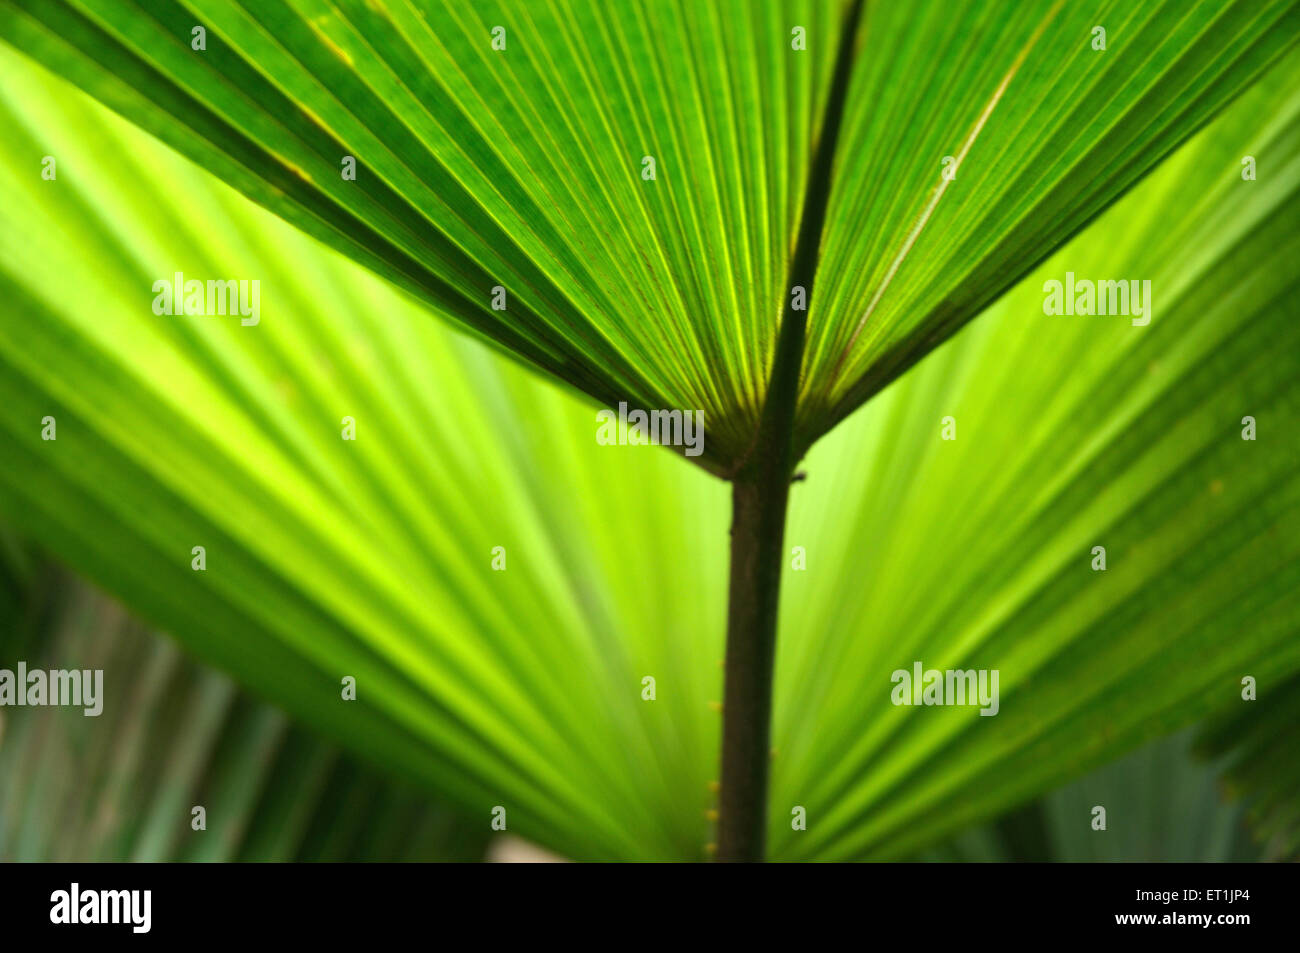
[
  {"x": 133, "y": 907},
  {"x": 1105, "y": 297},
  {"x": 195, "y": 297},
  {"x": 57, "y": 687},
  {"x": 674, "y": 428},
  {"x": 952, "y": 687}
]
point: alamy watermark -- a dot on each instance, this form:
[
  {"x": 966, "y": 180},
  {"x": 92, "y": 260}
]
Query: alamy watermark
[
  {"x": 1087, "y": 297},
  {"x": 211, "y": 297},
  {"x": 57, "y": 687},
  {"x": 672, "y": 428},
  {"x": 133, "y": 908},
  {"x": 951, "y": 687}
]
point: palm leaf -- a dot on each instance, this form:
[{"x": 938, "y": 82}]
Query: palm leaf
[
  {"x": 1047, "y": 132},
  {"x": 522, "y": 168},
  {"x": 1071, "y": 433},
  {"x": 169, "y": 440},
  {"x": 522, "y": 688}
]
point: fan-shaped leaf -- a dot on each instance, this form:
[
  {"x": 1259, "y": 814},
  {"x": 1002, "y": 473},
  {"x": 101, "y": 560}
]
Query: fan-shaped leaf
[{"x": 517, "y": 160}]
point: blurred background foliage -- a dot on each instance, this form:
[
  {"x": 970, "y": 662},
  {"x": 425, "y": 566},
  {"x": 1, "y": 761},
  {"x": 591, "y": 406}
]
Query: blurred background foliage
[
  {"x": 122, "y": 785},
  {"x": 179, "y": 735},
  {"x": 522, "y": 688}
]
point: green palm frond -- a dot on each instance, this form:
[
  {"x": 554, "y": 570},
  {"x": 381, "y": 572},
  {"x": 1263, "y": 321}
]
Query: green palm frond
[
  {"x": 1127, "y": 438},
  {"x": 151, "y": 414},
  {"x": 520, "y": 684},
  {"x": 369, "y": 558},
  {"x": 1046, "y": 130},
  {"x": 522, "y": 168}
]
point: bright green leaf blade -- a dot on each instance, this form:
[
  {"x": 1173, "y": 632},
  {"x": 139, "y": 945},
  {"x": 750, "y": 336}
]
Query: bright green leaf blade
[
  {"x": 1071, "y": 432},
  {"x": 522, "y": 168},
  {"x": 979, "y": 137},
  {"x": 373, "y": 557}
]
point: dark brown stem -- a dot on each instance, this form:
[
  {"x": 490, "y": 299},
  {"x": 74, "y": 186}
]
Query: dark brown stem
[
  {"x": 757, "y": 531},
  {"x": 760, "y": 495}
]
